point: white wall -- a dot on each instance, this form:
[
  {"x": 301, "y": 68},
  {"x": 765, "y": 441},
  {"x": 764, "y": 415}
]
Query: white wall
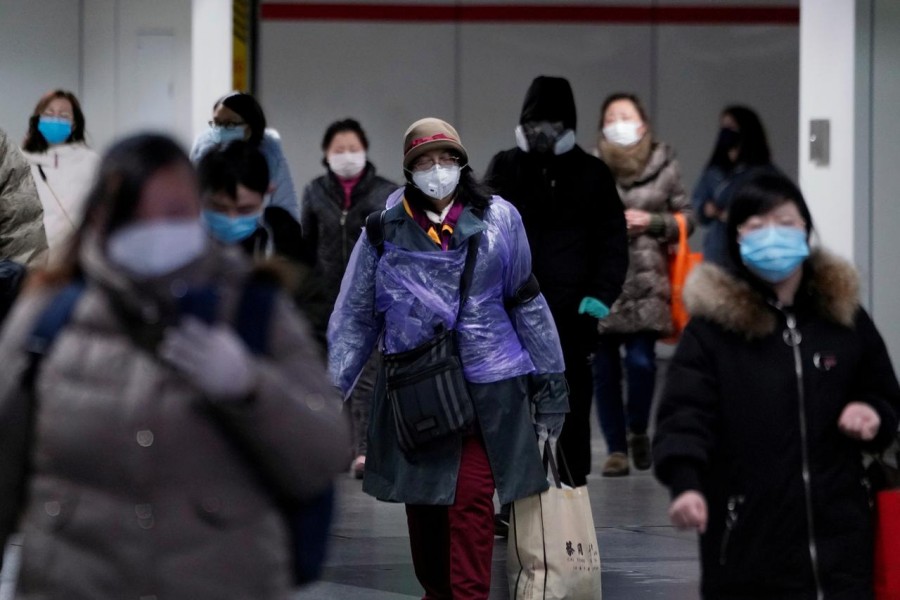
[
  {"x": 39, "y": 52},
  {"x": 211, "y": 54},
  {"x": 387, "y": 74},
  {"x": 827, "y": 91},
  {"x": 850, "y": 74},
  {"x": 134, "y": 64}
]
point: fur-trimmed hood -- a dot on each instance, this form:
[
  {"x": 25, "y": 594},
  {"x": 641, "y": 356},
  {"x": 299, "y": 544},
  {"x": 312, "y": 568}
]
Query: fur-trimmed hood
[{"x": 830, "y": 283}]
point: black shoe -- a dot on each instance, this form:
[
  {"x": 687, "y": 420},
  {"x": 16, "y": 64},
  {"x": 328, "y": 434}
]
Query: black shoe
[
  {"x": 639, "y": 449},
  {"x": 501, "y": 525}
]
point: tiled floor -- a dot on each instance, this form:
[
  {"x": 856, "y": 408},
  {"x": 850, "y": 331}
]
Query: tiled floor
[{"x": 643, "y": 557}]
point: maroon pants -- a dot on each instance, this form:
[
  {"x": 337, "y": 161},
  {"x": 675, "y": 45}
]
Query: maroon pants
[{"x": 452, "y": 546}]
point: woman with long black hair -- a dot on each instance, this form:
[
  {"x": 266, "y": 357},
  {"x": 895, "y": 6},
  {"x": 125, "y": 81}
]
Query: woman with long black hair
[{"x": 741, "y": 152}]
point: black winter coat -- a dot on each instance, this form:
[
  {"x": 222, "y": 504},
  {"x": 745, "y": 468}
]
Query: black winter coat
[
  {"x": 330, "y": 232},
  {"x": 575, "y": 224},
  {"x": 737, "y": 424}
]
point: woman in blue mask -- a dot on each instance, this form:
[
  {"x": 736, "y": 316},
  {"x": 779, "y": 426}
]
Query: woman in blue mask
[
  {"x": 238, "y": 116},
  {"x": 235, "y": 187},
  {"x": 62, "y": 165},
  {"x": 779, "y": 383}
]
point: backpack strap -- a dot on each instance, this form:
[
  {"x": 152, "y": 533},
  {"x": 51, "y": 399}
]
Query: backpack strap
[
  {"x": 254, "y": 315},
  {"x": 525, "y": 293},
  {"x": 375, "y": 231},
  {"x": 52, "y": 320}
]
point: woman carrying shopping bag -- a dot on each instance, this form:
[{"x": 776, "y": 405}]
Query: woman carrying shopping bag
[
  {"x": 443, "y": 279},
  {"x": 648, "y": 178}
]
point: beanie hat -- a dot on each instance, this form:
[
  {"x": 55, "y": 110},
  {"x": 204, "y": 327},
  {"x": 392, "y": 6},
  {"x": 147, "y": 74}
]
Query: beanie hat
[
  {"x": 430, "y": 134},
  {"x": 549, "y": 99}
]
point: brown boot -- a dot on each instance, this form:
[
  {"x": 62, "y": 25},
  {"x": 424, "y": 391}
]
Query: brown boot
[
  {"x": 639, "y": 448},
  {"x": 616, "y": 465}
]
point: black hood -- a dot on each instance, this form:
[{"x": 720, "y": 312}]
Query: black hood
[{"x": 549, "y": 99}]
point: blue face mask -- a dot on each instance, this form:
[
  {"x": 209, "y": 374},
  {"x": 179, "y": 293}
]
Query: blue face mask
[
  {"x": 230, "y": 230},
  {"x": 225, "y": 136},
  {"x": 54, "y": 129},
  {"x": 773, "y": 253}
]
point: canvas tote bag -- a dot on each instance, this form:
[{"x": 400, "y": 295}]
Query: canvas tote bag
[{"x": 552, "y": 549}]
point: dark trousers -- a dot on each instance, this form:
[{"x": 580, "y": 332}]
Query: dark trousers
[
  {"x": 452, "y": 546},
  {"x": 575, "y": 441},
  {"x": 640, "y": 375}
]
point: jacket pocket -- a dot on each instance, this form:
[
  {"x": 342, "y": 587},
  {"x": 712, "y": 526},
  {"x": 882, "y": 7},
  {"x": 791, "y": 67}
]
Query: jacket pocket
[{"x": 732, "y": 515}]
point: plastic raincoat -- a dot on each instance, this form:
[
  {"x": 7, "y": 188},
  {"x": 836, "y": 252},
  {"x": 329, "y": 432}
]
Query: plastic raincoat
[{"x": 408, "y": 292}]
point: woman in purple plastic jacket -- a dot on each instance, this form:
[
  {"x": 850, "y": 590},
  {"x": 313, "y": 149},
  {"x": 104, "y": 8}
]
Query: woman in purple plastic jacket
[{"x": 510, "y": 354}]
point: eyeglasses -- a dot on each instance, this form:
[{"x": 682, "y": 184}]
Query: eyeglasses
[
  {"x": 226, "y": 126},
  {"x": 424, "y": 163}
]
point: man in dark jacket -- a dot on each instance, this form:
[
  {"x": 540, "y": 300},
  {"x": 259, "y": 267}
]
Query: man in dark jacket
[{"x": 576, "y": 228}]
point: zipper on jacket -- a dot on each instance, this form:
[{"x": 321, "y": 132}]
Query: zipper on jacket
[
  {"x": 792, "y": 337},
  {"x": 344, "y": 237},
  {"x": 731, "y": 517}
]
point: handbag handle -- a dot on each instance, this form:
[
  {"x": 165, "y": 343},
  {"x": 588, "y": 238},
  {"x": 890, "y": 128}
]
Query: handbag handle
[
  {"x": 682, "y": 229},
  {"x": 554, "y": 472}
]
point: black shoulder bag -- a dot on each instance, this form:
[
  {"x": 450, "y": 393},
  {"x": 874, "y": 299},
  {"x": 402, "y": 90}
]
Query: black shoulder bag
[{"x": 425, "y": 385}]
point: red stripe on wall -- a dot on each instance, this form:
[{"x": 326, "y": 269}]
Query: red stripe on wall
[{"x": 534, "y": 13}]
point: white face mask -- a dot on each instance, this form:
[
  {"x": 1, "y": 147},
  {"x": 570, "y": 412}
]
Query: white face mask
[
  {"x": 437, "y": 182},
  {"x": 153, "y": 248},
  {"x": 347, "y": 164},
  {"x": 623, "y": 133}
]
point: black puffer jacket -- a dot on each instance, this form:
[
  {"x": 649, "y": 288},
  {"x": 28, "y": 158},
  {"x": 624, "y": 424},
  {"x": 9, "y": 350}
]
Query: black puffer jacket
[
  {"x": 330, "y": 232},
  {"x": 737, "y": 424},
  {"x": 573, "y": 217}
]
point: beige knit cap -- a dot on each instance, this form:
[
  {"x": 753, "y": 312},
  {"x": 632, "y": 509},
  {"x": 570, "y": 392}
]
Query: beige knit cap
[{"x": 428, "y": 134}]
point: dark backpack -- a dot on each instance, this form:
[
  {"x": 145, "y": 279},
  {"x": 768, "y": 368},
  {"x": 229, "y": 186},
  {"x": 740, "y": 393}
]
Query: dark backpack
[{"x": 309, "y": 522}]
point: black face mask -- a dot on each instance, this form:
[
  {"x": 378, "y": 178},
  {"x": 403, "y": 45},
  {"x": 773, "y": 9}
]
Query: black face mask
[
  {"x": 542, "y": 135},
  {"x": 728, "y": 140}
]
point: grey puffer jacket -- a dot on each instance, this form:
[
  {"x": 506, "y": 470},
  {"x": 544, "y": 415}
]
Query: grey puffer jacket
[
  {"x": 330, "y": 231},
  {"x": 22, "y": 236},
  {"x": 644, "y": 304},
  {"x": 134, "y": 489}
]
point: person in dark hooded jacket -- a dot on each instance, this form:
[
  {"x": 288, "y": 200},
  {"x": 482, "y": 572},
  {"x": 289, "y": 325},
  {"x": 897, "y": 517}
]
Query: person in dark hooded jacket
[
  {"x": 576, "y": 228},
  {"x": 779, "y": 383}
]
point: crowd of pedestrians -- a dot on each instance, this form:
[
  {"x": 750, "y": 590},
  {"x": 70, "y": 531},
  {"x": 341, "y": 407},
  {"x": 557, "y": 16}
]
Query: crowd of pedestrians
[{"x": 197, "y": 351}]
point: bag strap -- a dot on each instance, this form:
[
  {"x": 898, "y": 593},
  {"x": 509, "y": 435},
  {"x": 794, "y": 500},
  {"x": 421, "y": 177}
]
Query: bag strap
[
  {"x": 375, "y": 231},
  {"x": 682, "y": 230},
  {"x": 465, "y": 281},
  {"x": 254, "y": 316},
  {"x": 550, "y": 463}
]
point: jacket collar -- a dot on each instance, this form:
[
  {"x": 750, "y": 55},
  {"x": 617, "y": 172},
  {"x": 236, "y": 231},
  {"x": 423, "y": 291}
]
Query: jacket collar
[
  {"x": 830, "y": 289},
  {"x": 411, "y": 236}
]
